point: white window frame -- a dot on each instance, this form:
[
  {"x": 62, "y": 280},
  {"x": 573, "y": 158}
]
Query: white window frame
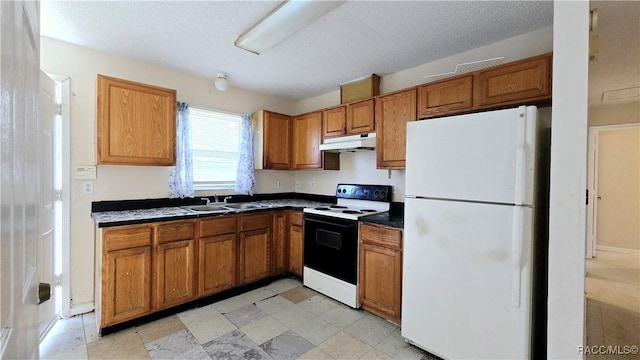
[{"x": 213, "y": 185}]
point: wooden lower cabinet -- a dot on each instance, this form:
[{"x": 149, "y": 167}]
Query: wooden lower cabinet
[
  {"x": 126, "y": 274},
  {"x": 381, "y": 271},
  {"x": 279, "y": 242},
  {"x": 175, "y": 273},
  {"x": 295, "y": 243},
  {"x": 217, "y": 255},
  {"x": 255, "y": 247}
]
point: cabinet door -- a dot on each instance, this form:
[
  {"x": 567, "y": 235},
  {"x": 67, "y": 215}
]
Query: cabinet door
[
  {"x": 175, "y": 273},
  {"x": 445, "y": 97},
  {"x": 334, "y": 121},
  {"x": 295, "y": 249},
  {"x": 277, "y": 141},
  {"x": 520, "y": 82},
  {"x": 126, "y": 282},
  {"x": 255, "y": 255},
  {"x": 381, "y": 281},
  {"x": 279, "y": 242},
  {"x": 361, "y": 117},
  {"x": 217, "y": 264},
  {"x": 136, "y": 123},
  {"x": 393, "y": 111},
  {"x": 307, "y": 137}
]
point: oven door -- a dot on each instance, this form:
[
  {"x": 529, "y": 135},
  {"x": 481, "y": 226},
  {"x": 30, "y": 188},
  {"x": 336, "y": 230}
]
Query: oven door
[{"x": 331, "y": 246}]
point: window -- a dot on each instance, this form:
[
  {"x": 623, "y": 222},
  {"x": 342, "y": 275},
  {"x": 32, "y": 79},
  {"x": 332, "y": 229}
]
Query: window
[{"x": 215, "y": 143}]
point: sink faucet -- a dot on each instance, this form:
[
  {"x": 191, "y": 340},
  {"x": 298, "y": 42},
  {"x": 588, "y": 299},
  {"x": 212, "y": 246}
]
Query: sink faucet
[
  {"x": 215, "y": 197},
  {"x": 226, "y": 198},
  {"x": 207, "y": 200}
]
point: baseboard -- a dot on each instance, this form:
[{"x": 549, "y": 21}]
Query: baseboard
[
  {"x": 79, "y": 309},
  {"x": 617, "y": 249}
]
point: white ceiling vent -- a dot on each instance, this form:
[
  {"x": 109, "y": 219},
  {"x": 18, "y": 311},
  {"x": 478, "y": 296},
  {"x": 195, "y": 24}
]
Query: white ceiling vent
[
  {"x": 621, "y": 95},
  {"x": 468, "y": 67}
]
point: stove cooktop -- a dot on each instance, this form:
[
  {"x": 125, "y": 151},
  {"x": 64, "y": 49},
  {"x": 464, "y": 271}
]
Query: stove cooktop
[{"x": 355, "y": 201}]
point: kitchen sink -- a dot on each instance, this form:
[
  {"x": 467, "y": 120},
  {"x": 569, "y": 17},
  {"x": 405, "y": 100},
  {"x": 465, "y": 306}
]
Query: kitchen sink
[
  {"x": 206, "y": 208},
  {"x": 242, "y": 206}
]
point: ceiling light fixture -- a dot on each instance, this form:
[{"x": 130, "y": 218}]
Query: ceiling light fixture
[
  {"x": 221, "y": 82},
  {"x": 284, "y": 21}
]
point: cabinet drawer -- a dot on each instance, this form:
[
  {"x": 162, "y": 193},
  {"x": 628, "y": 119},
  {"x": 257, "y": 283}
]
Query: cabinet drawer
[
  {"x": 381, "y": 235},
  {"x": 256, "y": 221},
  {"x": 127, "y": 237},
  {"x": 179, "y": 230},
  {"x": 218, "y": 226},
  {"x": 295, "y": 218}
]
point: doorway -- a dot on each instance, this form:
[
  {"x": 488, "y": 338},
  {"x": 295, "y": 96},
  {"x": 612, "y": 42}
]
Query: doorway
[
  {"x": 53, "y": 250},
  {"x": 614, "y": 194}
]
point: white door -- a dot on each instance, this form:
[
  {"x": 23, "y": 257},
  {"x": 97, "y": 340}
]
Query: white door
[
  {"x": 486, "y": 156},
  {"x": 467, "y": 279},
  {"x": 19, "y": 77},
  {"x": 618, "y": 190},
  {"x": 47, "y": 311}
]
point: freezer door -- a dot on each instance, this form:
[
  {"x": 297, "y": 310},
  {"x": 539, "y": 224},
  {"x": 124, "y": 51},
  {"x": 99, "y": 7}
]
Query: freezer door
[
  {"x": 466, "y": 290},
  {"x": 485, "y": 156}
]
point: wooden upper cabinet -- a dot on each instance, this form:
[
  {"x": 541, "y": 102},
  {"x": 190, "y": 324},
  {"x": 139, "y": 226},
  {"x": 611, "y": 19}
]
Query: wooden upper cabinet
[
  {"x": 136, "y": 123},
  {"x": 307, "y": 137},
  {"x": 445, "y": 97},
  {"x": 272, "y": 140},
  {"x": 519, "y": 82},
  {"x": 334, "y": 121},
  {"x": 361, "y": 117},
  {"x": 393, "y": 111},
  {"x": 350, "y": 119}
]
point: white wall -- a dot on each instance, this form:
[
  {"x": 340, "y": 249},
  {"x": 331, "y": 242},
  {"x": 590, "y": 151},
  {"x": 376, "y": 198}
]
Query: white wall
[
  {"x": 129, "y": 182},
  {"x": 568, "y": 180},
  {"x": 611, "y": 114}
]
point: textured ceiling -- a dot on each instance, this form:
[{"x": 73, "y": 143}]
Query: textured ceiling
[{"x": 356, "y": 39}]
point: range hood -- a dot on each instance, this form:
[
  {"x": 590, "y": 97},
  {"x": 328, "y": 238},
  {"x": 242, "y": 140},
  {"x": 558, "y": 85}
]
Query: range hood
[{"x": 350, "y": 143}]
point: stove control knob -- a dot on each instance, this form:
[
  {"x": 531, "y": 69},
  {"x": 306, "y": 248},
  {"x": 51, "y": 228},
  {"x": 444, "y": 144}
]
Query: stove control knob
[{"x": 382, "y": 194}]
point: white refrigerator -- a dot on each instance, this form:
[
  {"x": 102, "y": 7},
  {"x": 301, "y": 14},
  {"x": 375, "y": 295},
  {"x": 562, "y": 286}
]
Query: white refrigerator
[{"x": 474, "y": 250}]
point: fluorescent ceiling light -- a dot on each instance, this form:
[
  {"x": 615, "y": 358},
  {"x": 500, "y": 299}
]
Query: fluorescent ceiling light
[{"x": 284, "y": 21}]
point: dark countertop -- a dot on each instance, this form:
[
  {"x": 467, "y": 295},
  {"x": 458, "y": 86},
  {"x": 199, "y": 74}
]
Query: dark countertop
[
  {"x": 141, "y": 216},
  {"x": 386, "y": 218}
]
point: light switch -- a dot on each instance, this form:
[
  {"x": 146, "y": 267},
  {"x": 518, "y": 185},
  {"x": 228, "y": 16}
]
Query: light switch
[{"x": 84, "y": 172}]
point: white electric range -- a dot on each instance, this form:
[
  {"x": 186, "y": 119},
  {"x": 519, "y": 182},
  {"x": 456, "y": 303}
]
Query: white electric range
[{"x": 331, "y": 240}]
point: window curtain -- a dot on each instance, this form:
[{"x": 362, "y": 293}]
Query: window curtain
[
  {"x": 246, "y": 178},
  {"x": 181, "y": 175}
]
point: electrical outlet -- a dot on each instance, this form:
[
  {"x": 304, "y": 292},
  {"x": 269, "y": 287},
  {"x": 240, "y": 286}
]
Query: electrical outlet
[
  {"x": 298, "y": 184},
  {"x": 313, "y": 184},
  {"x": 87, "y": 187},
  {"x": 278, "y": 183}
]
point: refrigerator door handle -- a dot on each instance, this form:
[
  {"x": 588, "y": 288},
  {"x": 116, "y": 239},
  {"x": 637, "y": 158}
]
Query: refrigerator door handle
[
  {"x": 516, "y": 253},
  {"x": 519, "y": 188}
]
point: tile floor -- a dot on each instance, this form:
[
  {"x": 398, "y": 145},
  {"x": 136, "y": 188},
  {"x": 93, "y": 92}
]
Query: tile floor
[
  {"x": 613, "y": 301},
  {"x": 282, "y": 320}
]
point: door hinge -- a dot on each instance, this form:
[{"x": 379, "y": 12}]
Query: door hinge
[
  {"x": 57, "y": 194},
  {"x": 59, "y": 109},
  {"x": 58, "y": 280}
]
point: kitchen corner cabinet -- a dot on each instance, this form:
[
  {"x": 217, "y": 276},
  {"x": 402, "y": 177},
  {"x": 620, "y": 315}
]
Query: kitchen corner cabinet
[
  {"x": 125, "y": 276},
  {"x": 217, "y": 255},
  {"x": 445, "y": 97},
  {"x": 136, "y": 123},
  {"x": 272, "y": 140},
  {"x": 295, "y": 243},
  {"x": 381, "y": 270},
  {"x": 525, "y": 81},
  {"x": 255, "y": 246},
  {"x": 393, "y": 111},
  {"x": 307, "y": 137},
  {"x": 175, "y": 263}
]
